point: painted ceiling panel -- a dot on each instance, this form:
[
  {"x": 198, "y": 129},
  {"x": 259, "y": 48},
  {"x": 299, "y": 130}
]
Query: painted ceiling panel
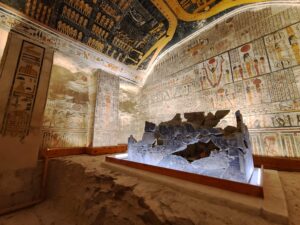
[{"x": 134, "y": 32}]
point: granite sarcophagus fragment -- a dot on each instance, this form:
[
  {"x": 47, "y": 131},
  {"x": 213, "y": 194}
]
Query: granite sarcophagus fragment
[{"x": 196, "y": 145}]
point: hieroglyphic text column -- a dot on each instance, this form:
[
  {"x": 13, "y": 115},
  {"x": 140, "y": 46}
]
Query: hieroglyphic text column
[{"x": 24, "y": 80}]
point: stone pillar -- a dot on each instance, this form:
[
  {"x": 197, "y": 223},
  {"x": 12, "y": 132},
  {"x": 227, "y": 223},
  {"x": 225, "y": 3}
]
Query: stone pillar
[
  {"x": 106, "y": 123},
  {"x": 24, "y": 81}
]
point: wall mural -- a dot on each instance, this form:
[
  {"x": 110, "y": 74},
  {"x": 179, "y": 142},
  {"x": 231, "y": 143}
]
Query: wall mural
[
  {"x": 283, "y": 47},
  {"x": 106, "y": 123},
  {"x": 70, "y": 104},
  {"x": 132, "y": 32},
  {"x": 260, "y": 77},
  {"x": 249, "y": 60}
]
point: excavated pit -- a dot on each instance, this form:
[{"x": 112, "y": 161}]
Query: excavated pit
[{"x": 80, "y": 191}]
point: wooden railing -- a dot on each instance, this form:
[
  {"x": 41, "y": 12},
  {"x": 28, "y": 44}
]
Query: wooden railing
[
  {"x": 58, "y": 152},
  {"x": 277, "y": 163}
]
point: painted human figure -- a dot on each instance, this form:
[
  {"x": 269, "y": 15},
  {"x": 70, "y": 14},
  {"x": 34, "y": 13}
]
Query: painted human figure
[
  {"x": 249, "y": 93},
  {"x": 76, "y": 18},
  {"x": 38, "y": 12},
  {"x": 75, "y": 33},
  {"x": 45, "y": 9},
  {"x": 228, "y": 76},
  {"x": 247, "y": 61},
  {"x": 256, "y": 66},
  {"x": 89, "y": 41},
  {"x": 27, "y": 7},
  {"x": 262, "y": 65},
  {"x": 33, "y": 7},
  {"x": 111, "y": 24},
  {"x": 235, "y": 73},
  {"x": 48, "y": 15},
  {"x": 241, "y": 72},
  {"x": 89, "y": 11},
  {"x": 270, "y": 145},
  {"x": 279, "y": 56},
  {"x": 73, "y": 14},
  {"x": 59, "y": 25},
  {"x": 85, "y": 22},
  {"x": 65, "y": 9},
  {"x": 98, "y": 17},
  {"x": 80, "y": 22},
  {"x": 213, "y": 74},
  {"x": 79, "y": 36},
  {"x": 69, "y": 12},
  {"x": 295, "y": 47},
  {"x": 71, "y": 2}
]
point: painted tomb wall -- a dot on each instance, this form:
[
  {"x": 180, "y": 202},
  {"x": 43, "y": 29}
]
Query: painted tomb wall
[
  {"x": 249, "y": 62},
  {"x": 129, "y": 112},
  {"x": 70, "y": 104},
  {"x": 30, "y": 120},
  {"x": 88, "y": 107},
  {"x": 62, "y": 114}
]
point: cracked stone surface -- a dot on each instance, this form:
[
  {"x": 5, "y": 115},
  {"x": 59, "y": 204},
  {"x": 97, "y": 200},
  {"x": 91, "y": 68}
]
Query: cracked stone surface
[{"x": 82, "y": 192}]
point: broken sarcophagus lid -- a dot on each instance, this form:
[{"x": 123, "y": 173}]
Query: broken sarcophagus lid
[{"x": 197, "y": 145}]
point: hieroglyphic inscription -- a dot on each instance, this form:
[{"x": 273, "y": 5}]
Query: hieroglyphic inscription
[
  {"x": 65, "y": 138},
  {"x": 282, "y": 86},
  {"x": 23, "y": 91}
]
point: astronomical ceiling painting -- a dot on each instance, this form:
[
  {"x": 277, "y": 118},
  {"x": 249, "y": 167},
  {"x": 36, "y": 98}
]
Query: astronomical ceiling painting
[{"x": 133, "y": 32}]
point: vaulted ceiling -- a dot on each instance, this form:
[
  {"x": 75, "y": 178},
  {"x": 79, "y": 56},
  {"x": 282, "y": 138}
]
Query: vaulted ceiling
[{"x": 133, "y": 32}]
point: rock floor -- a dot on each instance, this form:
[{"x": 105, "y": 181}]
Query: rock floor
[{"x": 81, "y": 192}]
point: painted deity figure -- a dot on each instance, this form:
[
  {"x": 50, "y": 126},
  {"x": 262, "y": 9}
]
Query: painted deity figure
[
  {"x": 215, "y": 71},
  {"x": 295, "y": 46}
]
